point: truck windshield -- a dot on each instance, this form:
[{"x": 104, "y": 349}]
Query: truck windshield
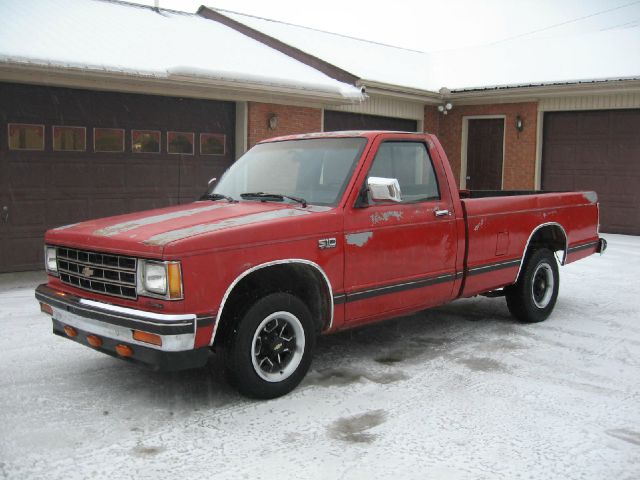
[{"x": 316, "y": 170}]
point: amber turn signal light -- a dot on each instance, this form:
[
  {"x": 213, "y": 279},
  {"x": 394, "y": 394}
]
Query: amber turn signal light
[
  {"x": 175, "y": 280},
  {"x": 147, "y": 337},
  {"x": 124, "y": 350},
  {"x": 46, "y": 308},
  {"x": 70, "y": 331},
  {"x": 94, "y": 341}
]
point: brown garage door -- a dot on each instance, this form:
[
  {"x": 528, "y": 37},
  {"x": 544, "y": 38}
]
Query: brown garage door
[
  {"x": 597, "y": 150},
  {"x": 339, "y": 121},
  {"x": 68, "y": 155}
]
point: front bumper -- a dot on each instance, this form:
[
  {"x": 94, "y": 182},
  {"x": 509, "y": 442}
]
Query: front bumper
[{"x": 115, "y": 325}]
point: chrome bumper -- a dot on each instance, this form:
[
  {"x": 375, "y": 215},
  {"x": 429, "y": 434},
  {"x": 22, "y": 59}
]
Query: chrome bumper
[{"x": 116, "y": 324}]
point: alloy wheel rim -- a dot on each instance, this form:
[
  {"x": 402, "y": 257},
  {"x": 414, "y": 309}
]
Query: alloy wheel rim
[{"x": 277, "y": 347}]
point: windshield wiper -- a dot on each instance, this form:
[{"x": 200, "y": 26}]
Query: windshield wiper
[
  {"x": 273, "y": 196},
  {"x": 218, "y": 196}
]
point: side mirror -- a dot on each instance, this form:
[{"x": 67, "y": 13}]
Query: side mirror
[{"x": 384, "y": 189}]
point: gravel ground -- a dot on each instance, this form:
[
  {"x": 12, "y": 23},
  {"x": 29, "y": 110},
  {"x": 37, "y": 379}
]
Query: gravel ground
[{"x": 460, "y": 391}]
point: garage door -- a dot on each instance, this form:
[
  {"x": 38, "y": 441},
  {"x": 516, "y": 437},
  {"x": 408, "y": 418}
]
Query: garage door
[
  {"x": 69, "y": 155},
  {"x": 597, "y": 150},
  {"x": 338, "y": 121}
]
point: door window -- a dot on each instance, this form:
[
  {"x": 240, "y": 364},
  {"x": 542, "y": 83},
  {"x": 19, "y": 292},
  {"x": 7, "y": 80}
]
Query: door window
[{"x": 410, "y": 164}]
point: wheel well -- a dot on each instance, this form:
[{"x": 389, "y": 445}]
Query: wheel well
[
  {"x": 302, "y": 280},
  {"x": 550, "y": 236}
]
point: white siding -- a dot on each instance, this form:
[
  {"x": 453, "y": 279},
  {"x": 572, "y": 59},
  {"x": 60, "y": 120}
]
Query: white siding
[
  {"x": 590, "y": 102},
  {"x": 386, "y": 107}
]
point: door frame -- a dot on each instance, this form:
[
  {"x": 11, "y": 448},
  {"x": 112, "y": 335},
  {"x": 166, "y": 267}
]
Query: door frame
[{"x": 465, "y": 141}]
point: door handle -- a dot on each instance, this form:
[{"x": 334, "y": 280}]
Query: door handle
[
  {"x": 441, "y": 213},
  {"x": 5, "y": 214}
]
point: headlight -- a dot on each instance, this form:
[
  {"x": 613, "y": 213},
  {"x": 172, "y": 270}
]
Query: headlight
[
  {"x": 50, "y": 260},
  {"x": 160, "y": 279},
  {"x": 155, "y": 278}
]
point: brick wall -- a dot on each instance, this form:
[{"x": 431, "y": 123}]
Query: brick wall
[
  {"x": 520, "y": 147},
  {"x": 431, "y": 119},
  {"x": 291, "y": 120}
]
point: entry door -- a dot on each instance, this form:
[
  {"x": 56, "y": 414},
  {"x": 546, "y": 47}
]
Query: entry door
[
  {"x": 485, "y": 142},
  {"x": 400, "y": 256}
]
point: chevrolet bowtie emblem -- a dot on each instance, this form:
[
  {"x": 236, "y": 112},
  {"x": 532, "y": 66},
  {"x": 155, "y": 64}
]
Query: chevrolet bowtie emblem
[{"x": 87, "y": 272}]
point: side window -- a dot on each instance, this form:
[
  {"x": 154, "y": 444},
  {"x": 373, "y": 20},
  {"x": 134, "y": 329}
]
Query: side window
[{"x": 408, "y": 162}]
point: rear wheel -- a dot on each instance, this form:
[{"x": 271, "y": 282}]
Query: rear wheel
[
  {"x": 534, "y": 296},
  {"x": 271, "y": 349}
]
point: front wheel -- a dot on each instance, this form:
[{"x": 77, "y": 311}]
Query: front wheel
[
  {"x": 534, "y": 295},
  {"x": 271, "y": 349}
]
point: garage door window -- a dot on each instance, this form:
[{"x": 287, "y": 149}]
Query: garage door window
[
  {"x": 69, "y": 139},
  {"x": 212, "y": 144},
  {"x": 180, "y": 142},
  {"x": 410, "y": 164},
  {"x": 108, "y": 140},
  {"x": 24, "y": 136},
  {"x": 145, "y": 141}
]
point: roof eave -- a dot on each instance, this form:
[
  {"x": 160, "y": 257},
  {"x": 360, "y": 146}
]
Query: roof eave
[
  {"x": 172, "y": 85},
  {"x": 504, "y": 94}
]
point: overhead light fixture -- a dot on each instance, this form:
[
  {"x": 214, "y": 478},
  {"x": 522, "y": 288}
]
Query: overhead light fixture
[
  {"x": 273, "y": 121},
  {"x": 445, "y": 108}
]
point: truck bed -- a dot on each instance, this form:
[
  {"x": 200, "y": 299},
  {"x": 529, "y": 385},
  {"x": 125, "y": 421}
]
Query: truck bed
[{"x": 499, "y": 226}]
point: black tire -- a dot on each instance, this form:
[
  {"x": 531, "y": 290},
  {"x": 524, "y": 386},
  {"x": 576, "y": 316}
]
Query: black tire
[
  {"x": 256, "y": 345},
  {"x": 532, "y": 298}
]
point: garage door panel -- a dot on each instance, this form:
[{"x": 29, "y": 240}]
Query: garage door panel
[
  {"x": 148, "y": 175},
  {"x": 63, "y": 212},
  {"x": 594, "y": 126},
  {"x": 567, "y": 152},
  {"x": 625, "y": 124},
  {"x": 72, "y": 173},
  {"x": 589, "y": 157},
  {"x": 138, "y": 204},
  {"x": 23, "y": 251},
  {"x": 561, "y": 128},
  {"x": 110, "y": 175},
  {"x": 597, "y": 183},
  {"x": 626, "y": 157},
  {"x": 104, "y": 207},
  {"x": 560, "y": 183},
  {"x": 601, "y": 154},
  {"x": 620, "y": 218},
  {"x": 24, "y": 174}
]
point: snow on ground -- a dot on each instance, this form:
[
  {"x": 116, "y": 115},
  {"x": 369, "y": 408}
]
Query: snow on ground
[{"x": 461, "y": 391}]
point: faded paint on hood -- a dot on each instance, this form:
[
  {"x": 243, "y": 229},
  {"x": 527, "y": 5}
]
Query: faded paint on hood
[
  {"x": 182, "y": 233},
  {"x": 112, "y": 230},
  {"x": 149, "y": 230}
]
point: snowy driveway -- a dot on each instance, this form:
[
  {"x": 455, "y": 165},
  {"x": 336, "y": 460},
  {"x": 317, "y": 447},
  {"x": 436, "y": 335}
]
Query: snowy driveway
[{"x": 461, "y": 391}]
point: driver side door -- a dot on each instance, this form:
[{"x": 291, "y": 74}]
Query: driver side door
[{"x": 400, "y": 256}]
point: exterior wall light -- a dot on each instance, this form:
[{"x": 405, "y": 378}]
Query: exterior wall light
[
  {"x": 444, "y": 109},
  {"x": 273, "y": 121},
  {"x": 519, "y": 123}
]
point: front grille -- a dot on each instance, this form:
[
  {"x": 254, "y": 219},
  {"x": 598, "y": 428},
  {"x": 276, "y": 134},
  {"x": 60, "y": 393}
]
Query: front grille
[{"x": 98, "y": 272}]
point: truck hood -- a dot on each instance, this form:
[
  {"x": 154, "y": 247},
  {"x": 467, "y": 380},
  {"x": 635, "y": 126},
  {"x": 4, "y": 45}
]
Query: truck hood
[{"x": 150, "y": 231}]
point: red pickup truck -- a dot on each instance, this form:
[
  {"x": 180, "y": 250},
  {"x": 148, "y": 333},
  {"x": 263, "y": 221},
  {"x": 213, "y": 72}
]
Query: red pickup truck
[{"x": 306, "y": 235}]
